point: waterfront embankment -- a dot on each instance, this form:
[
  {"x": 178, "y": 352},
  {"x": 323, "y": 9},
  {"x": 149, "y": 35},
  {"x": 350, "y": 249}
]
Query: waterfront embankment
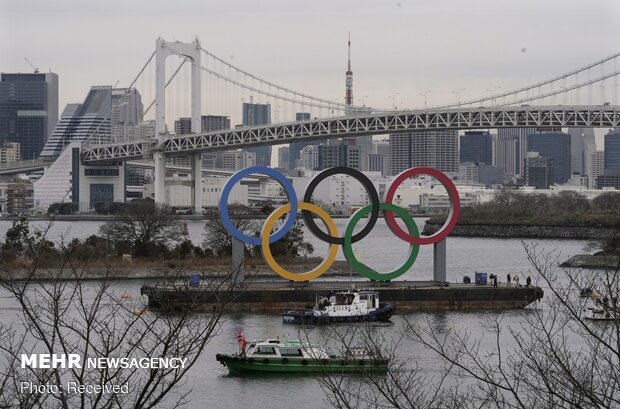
[
  {"x": 526, "y": 231},
  {"x": 163, "y": 270}
]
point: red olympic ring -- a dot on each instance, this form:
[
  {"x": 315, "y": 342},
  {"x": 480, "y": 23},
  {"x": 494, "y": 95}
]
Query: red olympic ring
[{"x": 453, "y": 215}]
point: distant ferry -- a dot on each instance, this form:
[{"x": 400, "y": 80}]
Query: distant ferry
[
  {"x": 288, "y": 356},
  {"x": 343, "y": 306}
]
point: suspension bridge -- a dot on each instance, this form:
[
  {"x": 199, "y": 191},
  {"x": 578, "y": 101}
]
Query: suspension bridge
[{"x": 203, "y": 82}]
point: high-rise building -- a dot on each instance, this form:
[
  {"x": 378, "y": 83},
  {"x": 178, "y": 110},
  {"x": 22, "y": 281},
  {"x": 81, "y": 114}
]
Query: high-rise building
[
  {"x": 438, "y": 149},
  {"x": 309, "y": 157},
  {"x": 519, "y": 134},
  {"x": 183, "y": 126},
  {"x": 283, "y": 155},
  {"x": 539, "y": 171},
  {"x": 328, "y": 157},
  {"x": 352, "y": 154},
  {"x": 127, "y": 112},
  {"x": 79, "y": 122},
  {"x": 28, "y": 110},
  {"x": 582, "y": 145},
  {"x": 555, "y": 146},
  {"x": 376, "y": 163},
  {"x": 258, "y": 114},
  {"x": 507, "y": 155},
  {"x": 9, "y": 152},
  {"x": 476, "y": 147},
  {"x": 295, "y": 148},
  {"x": 597, "y": 165},
  {"x": 381, "y": 147},
  {"x": 214, "y": 123},
  {"x": 612, "y": 153}
]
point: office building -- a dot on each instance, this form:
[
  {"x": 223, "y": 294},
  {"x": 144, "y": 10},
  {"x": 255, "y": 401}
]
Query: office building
[
  {"x": 328, "y": 156},
  {"x": 295, "y": 148},
  {"x": 127, "y": 112},
  {"x": 253, "y": 115},
  {"x": 16, "y": 198},
  {"x": 283, "y": 157},
  {"x": 597, "y": 164},
  {"x": 539, "y": 171},
  {"x": 433, "y": 148},
  {"x": 520, "y": 135},
  {"x": 183, "y": 126},
  {"x": 582, "y": 145},
  {"x": 476, "y": 147},
  {"x": 555, "y": 146},
  {"x": 9, "y": 152},
  {"x": 28, "y": 110},
  {"x": 309, "y": 158},
  {"x": 237, "y": 160},
  {"x": 79, "y": 122},
  {"x": 612, "y": 153},
  {"x": 487, "y": 175},
  {"x": 214, "y": 123},
  {"x": 376, "y": 163}
]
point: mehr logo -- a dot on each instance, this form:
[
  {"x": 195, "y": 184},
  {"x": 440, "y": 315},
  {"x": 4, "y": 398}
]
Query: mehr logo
[{"x": 411, "y": 236}]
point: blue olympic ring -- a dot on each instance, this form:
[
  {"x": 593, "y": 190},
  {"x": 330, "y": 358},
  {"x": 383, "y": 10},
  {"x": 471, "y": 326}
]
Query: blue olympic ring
[{"x": 290, "y": 193}]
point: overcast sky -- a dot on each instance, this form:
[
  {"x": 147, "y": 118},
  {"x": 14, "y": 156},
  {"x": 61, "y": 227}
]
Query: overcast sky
[{"x": 399, "y": 46}]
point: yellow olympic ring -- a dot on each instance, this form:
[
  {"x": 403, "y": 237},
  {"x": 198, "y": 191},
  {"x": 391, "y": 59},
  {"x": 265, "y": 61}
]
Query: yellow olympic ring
[{"x": 271, "y": 262}]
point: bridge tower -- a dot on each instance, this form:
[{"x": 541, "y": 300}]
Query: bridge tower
[{"x": 192, "y": 52}]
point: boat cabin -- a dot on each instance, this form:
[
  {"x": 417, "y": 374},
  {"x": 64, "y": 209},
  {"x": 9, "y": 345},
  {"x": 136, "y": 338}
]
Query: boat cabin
[
  {"x": 360, "y": 300},
  {"x": 274, "y": 348}
]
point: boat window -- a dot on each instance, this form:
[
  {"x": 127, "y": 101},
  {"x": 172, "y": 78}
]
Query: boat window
[
  {"x": 290, "y": 352},
  {"x": 265, "y": 349}
]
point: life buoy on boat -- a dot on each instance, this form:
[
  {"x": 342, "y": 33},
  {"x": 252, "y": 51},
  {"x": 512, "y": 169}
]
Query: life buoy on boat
[{"x": 285, "y": 361}]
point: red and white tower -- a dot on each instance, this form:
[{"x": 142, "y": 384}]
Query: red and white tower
[{"x": 348, "y": 98}]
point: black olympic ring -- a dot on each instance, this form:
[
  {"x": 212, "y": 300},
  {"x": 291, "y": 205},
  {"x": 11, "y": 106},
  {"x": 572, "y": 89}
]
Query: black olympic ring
[{"x": 372, "y": 194}]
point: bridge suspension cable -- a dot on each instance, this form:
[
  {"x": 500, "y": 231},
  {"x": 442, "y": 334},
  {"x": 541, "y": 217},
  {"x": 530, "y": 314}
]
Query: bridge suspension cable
[
  {"x": 326, "y": 104},
  {"x": 271, "y": 84},
  {"x": 542, "y": 84},
  {"x": 120, "y": 100}
]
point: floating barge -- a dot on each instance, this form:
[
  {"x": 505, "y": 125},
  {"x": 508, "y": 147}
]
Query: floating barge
[{"x": 279, "y": 296}]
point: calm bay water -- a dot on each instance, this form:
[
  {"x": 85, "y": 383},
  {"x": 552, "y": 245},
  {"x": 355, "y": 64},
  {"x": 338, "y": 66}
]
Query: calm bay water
[{"x": 213, "y": 387}]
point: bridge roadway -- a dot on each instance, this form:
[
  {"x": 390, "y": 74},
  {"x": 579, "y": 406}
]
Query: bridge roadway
[{"x": 600, "y": 116}]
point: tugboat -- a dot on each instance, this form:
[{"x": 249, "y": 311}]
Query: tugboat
[
  {"x": 343, "y": 306},
  {"x": 293, "y": 356}
]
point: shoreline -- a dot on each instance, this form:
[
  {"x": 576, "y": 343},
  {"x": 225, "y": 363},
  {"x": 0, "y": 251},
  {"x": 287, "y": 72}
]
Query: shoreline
[{"x": 527, "y": 231}]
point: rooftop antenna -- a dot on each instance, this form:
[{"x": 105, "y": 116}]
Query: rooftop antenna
[{"x": 35, "y": 69}]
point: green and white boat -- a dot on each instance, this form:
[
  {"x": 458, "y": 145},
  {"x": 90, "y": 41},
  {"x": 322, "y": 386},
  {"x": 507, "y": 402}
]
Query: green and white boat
[{"x": 276, "y": 356}]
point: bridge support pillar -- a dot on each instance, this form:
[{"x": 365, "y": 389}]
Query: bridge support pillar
[
  {"x": 159, "y": 179},
  {"x": 197, "y": 183},
  {"x": 439, "y": 261}
]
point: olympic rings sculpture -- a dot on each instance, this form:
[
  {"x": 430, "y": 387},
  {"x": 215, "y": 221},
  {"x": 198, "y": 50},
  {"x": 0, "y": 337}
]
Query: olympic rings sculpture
[{"x": 308, "y": 209}]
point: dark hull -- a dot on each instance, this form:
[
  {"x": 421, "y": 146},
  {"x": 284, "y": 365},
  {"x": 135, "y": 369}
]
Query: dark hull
[
  {"x": 278, "y": 297},
  {"x": 307, "y": 317},
  {"x": 239, "y": 364}
]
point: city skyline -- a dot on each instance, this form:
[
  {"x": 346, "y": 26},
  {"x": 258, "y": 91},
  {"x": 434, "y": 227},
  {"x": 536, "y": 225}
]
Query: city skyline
[{"x": 461, "y": 54}]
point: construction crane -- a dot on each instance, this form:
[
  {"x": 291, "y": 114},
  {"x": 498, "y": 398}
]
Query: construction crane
[{"x": 36, "y": 70}]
